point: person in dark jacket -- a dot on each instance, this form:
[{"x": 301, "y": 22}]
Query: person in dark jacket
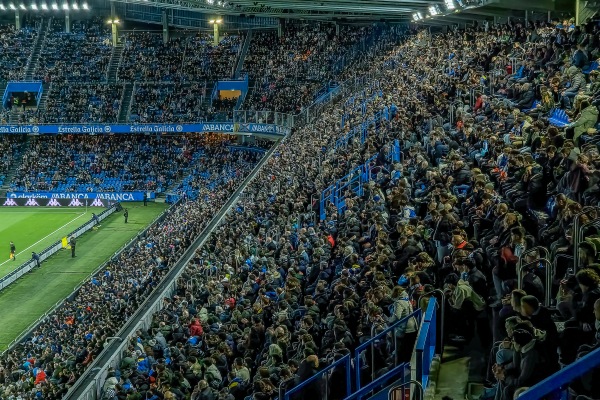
[
  {"x": 407, "y": 248},
  {"x": 203, "y": 392},
  {"x": 307, "y": 369},
  {"x": 528, "y": 366},
  {"x": 475, "y": 277}
]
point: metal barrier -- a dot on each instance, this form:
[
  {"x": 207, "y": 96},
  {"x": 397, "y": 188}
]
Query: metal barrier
[
  {"x": 371, "y": 344},
  {"x": 322, "y": 378},
  {"x": 578, "y": 232},
  {"x": 541, "y": 263},
  {"x": 379, "y": 389},
  {"x": 393, "y": 395},
  {"x": 440, "y": 349},
  {"x": 557, "y": 383},
  {"x": 426, "y": 344}
]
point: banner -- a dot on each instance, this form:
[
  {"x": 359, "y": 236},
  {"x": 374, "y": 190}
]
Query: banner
[
  {"x": 52, "y": 202},
  {"x": 96, "y": 129},
  {"x": 82, "y": 196}
]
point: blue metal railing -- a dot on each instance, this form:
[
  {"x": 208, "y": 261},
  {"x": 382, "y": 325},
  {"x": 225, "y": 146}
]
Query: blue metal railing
[
  {"x": 559, "y": 381},
  {"x": 397, "y": 376},
  {"x": 426, "y": 343},
  {"x": 380, "y": 336},
  {"x": 344, "y": 362}
]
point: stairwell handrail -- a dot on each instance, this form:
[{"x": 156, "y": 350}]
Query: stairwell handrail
[
  {"x": 371, "y": 342},
  {"x": 566, "y": 375},
  {"x": 411, "y": 382}
]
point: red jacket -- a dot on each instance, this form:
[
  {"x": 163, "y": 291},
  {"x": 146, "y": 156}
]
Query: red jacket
[{"x": 196, "y": 329}]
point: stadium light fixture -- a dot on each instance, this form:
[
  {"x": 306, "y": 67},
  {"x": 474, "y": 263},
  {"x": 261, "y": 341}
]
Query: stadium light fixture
[
  {"x": 44, "y": 6},
  {"x": 55, "y": 6},
  {"x": 34, "y": 6},
  {"x": 12, "y": 6},
  {"x": 2, "y": 6},
  {"x": 85, "y": 6},
  {"x": 433, "y": 11},
  {"x": 417, "y": 16},
  {"x": 449, "y": 4},
  {"x": 22, "y": 6},
  {"x": 113, "y": 21},
  {"x": 65, "y": 6},
  {"x": 75, "y": 6}
]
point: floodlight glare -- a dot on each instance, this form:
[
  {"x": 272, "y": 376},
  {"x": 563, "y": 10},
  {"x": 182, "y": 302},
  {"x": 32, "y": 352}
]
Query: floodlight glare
[
  {"x": 34, "y": 6},
  {"x": 44, "y": 6},
  {"x": 65, "y": 6},
  {"x": 219, "y": 21},
  {"x": 12, "y": 6},
  {"x": 55, "y": 6},
  {"x": 85, "y": 6},
  {"x": 212, "y": 21},
  {"x": 2, "y": 7},
  {"x": 22, "y": 6},
  {"x": 449, "y": 4},
  {"x": 75, "y": 6},
  {"x": 433, "y": 10}
]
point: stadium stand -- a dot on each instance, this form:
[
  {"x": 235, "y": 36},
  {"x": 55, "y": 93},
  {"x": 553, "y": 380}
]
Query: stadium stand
[
  {"x": 287, "y": 71},
  {"x": 10, "y": 148},
  {"x": 169, "y": 102},
  {"x": 79, "y": 56},
  {"x": 467, "y": 188},
  {"x": 89, "y": 103},
  {"x": 16, "y": 48}
]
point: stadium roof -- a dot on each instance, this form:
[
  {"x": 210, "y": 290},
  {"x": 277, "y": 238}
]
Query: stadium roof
[{"x": 446, "y": 11}]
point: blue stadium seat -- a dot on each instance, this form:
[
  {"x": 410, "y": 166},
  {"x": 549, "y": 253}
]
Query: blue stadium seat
[{"x": 559, "y": 118}]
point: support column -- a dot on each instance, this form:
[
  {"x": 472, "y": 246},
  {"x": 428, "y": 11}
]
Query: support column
[
  {"x": 279, "y": 29},
  {"x": 337, "y": 28},
  {"x": 526, "y": 17},
  {"x": 578, "y": 7},
  {"x": 549, "y": 16},
  {"x": 115, "y": 32},
  {"x": 165, "y": 27},
  {"x": 17, "y": 19},
  {"x": 67, "y": 22},
  {"x": 216, "y": 33}
]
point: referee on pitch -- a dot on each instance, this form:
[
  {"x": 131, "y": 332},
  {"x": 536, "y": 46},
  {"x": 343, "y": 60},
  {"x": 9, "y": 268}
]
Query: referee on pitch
[{"x": 13, "y": 251}]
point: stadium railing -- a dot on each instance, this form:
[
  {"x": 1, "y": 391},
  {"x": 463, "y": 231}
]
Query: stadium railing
[
  {"x": 90, "y": 384},
  {"x": 53, "y": 249},
  {"x": 28, "y": 331},
  {"x": 556, "y": 385}
]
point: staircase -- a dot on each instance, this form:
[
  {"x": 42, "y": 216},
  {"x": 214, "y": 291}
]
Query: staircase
[
  {"x": 34, "y": 59},
  {"x": 42, "y": 104},
  {"x": 113, "y": 66},
  {"x": 242, "y": 54},
  {"x": 126, "y": 103}
]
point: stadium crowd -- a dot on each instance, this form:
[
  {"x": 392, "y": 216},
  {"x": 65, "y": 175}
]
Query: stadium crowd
[
  {"x": 80, "y": 163},
  {"x": 169, "y": 102},
  {"x": 191, "y": 58},
  {"x": 10, "y": 148},
  {"x": 287, "y": 70},
  {"x": 487, "y": 175},
  {"x": 13, "y": 58},
  {"x": 70, "y": 338},
  {"x": 89, "y": 103},
  {"x": 79, "y": 56}
]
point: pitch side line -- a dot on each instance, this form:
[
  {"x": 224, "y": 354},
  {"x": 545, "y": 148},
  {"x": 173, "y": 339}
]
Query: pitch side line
[{"x": 45, "y": 237}]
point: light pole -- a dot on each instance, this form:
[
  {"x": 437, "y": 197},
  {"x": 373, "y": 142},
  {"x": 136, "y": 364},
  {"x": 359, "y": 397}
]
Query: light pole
[
  {"x": 216, "y": 23},
  {"x": 114, "y": 22}
]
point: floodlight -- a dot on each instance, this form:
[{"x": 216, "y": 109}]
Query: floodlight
[
  {"x": 2, "y": 7},
  {"x": 449, "y": 4},
  {"x": 55, "y": 6},
  {"x": 219, "y": 21},
  {"x": 44, "y": 6},
  {"x": 12, "y": 6},
  {"x": 34, "y": 6},
  {"x": 65, "y": 6},
  {"x": 433, "y": 10},
  {"x": 85, "y": 5},
  {"x": 75, "y": 6}
]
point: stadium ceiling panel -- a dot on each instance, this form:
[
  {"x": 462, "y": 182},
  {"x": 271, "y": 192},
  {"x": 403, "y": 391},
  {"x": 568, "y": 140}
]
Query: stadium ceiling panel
[{"x": 342, "y": 10}]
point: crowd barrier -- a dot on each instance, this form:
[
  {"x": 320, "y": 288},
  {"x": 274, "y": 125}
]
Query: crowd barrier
[{"x": 53, "y": 248}]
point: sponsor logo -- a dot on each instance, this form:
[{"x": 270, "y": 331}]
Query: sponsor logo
[
  {"x": 53, "y": 203},
  {"x": 10, "y": 203},
  {"x": 75, "y": 203},
  {"x": 31, "y": 203},
  {"x": 97, "y": 203}
]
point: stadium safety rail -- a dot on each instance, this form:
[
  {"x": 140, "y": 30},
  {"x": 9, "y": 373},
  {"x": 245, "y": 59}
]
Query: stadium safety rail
[
  {"x": 34, "y": 325},
  {"x": 53, "y": 249}
]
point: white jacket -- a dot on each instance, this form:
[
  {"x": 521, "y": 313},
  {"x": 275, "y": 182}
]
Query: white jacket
[{"x": 402, "y": 308}]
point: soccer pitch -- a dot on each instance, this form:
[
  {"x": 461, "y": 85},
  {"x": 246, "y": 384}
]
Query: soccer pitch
[
  {"x": 32, "y": 295},
  {"x": 34, "y": 229}
]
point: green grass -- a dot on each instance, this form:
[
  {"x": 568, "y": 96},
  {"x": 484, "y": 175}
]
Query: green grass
[
  {"x": 31, "y": 296},
  {"x": 34, "y": 229}
]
